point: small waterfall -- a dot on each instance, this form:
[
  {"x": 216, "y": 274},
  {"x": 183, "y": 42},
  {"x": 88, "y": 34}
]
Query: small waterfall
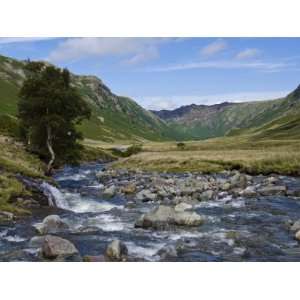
[{"x": 54, "y": 195}]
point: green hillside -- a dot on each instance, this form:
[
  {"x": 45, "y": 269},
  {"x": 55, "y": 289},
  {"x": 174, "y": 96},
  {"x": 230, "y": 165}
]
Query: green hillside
[
  {"x": 201, "y": 122},
  {"x": 113, "y": 117}
]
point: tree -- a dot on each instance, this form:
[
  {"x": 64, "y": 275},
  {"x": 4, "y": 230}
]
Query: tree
[{"x": 49, "y": 109}]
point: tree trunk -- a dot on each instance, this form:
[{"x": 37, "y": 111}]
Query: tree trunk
[{"x": 50, "y": 149}]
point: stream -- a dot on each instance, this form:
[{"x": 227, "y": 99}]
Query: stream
[{"x": 243, "y": 229}]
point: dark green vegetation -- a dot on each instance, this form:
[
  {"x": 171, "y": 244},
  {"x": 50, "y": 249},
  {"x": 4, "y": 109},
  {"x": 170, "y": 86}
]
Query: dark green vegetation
[{"x": 49, "y": 109}]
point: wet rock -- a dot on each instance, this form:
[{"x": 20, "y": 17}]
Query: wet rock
[
  {"x": 168, "y": 252},
  {"x": 56, "y": 247},
  {"x": 249, "y": 192},
  {"x": 271, "y": 180},
  {"x": 238, "y": 180},
  {"x": 36, "y": 241},
  {"x": 110, "y": 191},
  {"x": 183, "y": 206},
  {"x": 296, "y": 226},
  {"x": 293, "y": 192},
  {"x": 146, "y": 195},
  {"x": 116, "y": 251},
  {"x": 272, "y": 190},
  {"x": 6, "y": 216},
  {"x": 207, "y": 195},
  {"x": 164, "y": 216},
  {"x": 128, "y": 189},
  {"x": 297, "y": 235},
  {"x": 225, "y": 186},
  {"x": 51, "y": 224}
]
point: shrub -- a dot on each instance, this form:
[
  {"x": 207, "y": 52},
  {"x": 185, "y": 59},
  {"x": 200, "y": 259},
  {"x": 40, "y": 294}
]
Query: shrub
[{"x": 181, "y": 145}]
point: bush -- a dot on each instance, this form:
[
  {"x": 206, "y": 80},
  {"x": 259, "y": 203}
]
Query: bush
[
  {"x": 126, "y": 152},
  {"x": 181, "y": 145},
  {"x": 9, "y": 126}
]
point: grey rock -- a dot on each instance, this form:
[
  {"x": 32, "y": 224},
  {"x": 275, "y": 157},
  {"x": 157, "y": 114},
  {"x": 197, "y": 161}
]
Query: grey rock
[
  {"x": 146, "y": 195},
  {"x": 51, "y": 224},
  {"x": 296, "y": 226},
  {"x": 183, "y": 206},
  {"x": 167, "y": 252},
  {"x": 110, "y": 191},
  {"x": 116, "y": 251},
  {"x": 54, "y": 247},
  {"x": 249, "y": 192},
  {"x": 164, "y": 216},
  {"x": 272, "y": 190},
  {"x": 297, "y": 235},
  {"x": 207, "y": 195}
]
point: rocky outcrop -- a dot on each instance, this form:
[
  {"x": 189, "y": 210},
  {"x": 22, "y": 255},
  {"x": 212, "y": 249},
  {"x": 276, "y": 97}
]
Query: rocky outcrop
[
  {"x": 55, "y": 247},
  {"x": 165, "y": 216}
]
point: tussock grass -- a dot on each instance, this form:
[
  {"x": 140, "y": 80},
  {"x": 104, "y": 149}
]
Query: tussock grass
[{"x": 215, "y": 155}]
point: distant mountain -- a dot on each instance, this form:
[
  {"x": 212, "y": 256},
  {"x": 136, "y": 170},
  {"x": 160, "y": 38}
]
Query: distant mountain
[
  {"x": 113, "y": 117},
  {"x": 205, "y": 121}
]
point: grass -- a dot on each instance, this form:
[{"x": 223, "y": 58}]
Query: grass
[
  {"x": 15, "y": 160},
  {"x": 215, "y": 155},
  {"x": 10, "y": 189}
]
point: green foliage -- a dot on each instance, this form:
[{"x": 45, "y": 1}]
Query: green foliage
[
  {"x": 9, "y": 125},
  {"x": 181, "y": 145},
  {"x": 133, "y": 149},
  {"x": 49, "y": 109}
]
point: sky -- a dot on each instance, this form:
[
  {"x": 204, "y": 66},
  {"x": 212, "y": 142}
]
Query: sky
[{"x": 166, "y": 73}]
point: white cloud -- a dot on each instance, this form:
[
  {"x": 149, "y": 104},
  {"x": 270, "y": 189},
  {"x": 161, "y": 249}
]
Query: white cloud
[
  {"x": 135, "y": 50},
  {"x": 214, "y": 48},
  {"x": 172, "y": 102},
  {"x": 221, "y": 64},
  {"x": 248, "y": 53},
  {"x": 10, "y": 40}
]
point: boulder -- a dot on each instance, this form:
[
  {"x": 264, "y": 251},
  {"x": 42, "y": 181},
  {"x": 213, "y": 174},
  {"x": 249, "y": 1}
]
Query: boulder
[
  {"x": 116, "y": 251},
  {"x": 55, "y": 247},
  {"x": 297, "y": 235},
  {"x": 146, "y": 195},
  {"x": 225, "y": 186},
  {"x": 128, "y": 189},
  {"x": 272, "y": 190},
  {"x": 238, "y": 180},
  {"x": 164, "y": 216},
  {"x": 168, "y": 252},
  {"x": 207, "y": 195},
  {"x": 183, "y": 206},
  {"x": 51, "y": 224},
  {"x": 110, "y": 191},
  {"x": 249, "y": 192},
  {"x": 296, "y": 226}
]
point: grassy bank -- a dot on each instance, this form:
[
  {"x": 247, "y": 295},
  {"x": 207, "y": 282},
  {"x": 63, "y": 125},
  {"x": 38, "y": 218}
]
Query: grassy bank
[
  {"x": 215, "y": 155},
  {"x": 15, "y": 160}
]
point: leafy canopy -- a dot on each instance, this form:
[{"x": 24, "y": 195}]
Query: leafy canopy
[{"x": 49, "y": 109}]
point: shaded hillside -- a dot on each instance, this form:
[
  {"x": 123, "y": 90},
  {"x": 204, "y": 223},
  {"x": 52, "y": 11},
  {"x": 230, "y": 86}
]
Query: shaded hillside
[
  {"x": 113, "y": 117},
  {"x": 205, "y": 121}
]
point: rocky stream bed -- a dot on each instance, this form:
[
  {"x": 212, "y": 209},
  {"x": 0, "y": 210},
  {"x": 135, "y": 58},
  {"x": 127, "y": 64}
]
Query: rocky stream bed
[{"x": 101, "y": 214}]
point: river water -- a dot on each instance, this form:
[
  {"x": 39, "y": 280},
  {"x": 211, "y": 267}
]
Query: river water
[{"x": 255, "y": 229}]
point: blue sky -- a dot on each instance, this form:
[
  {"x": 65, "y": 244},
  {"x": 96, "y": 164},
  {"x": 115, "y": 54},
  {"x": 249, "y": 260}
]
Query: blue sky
[{"x": 165, "y": 73}]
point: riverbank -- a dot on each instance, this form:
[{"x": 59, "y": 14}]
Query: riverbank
[
  {"x": 216, "y": 155},
  {"x": 20, "y": 174},
  {"x": 106, "y": 215}
]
